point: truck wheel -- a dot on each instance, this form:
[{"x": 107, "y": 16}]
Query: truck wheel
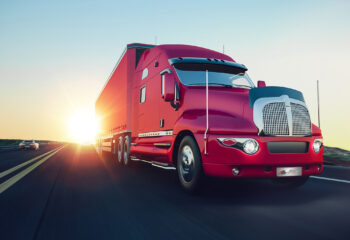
[
  {"x": 126, "y": 154},
  {"x": 189, "y": 165},
  {"x": 120, "y": 150},
  {"x": 290, "y": 182}
]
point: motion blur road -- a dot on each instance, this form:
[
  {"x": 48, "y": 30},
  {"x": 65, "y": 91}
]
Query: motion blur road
[{"x": 74, "y": 194}]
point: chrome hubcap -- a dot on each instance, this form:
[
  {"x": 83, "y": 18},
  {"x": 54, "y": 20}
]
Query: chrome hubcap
[
  {"x": 119, "y": 151},
  {"x": 126, "y": 159},
  {"x": 187, "y": 163}
]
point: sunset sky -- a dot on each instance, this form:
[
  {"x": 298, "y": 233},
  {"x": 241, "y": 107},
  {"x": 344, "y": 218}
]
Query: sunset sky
[{"x": 56, "y": 56}]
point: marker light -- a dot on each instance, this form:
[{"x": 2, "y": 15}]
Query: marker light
[
  {"x": 250, "y": 146},
  {"x": 317, "y": 145}
]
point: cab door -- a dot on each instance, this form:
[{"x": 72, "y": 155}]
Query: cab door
[
  {"x": 148, "y": 102},
  {"x": 147, "y": 112}
]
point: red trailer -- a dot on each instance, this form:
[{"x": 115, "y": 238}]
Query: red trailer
[{"x": 194, "y": 110}]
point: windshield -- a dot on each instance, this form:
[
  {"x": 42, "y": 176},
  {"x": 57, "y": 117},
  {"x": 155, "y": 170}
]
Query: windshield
[{"x": 218, "y": 75}]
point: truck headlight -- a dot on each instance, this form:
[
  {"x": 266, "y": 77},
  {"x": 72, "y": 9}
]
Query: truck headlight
[
  {"x": 317, "y": 145},
  {"x": 250, "y": 146}
]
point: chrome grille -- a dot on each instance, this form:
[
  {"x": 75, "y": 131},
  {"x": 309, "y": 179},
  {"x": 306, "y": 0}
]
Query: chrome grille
[
  {"x": 301, "y": 120},
  {"x": 275, "y": 119}
]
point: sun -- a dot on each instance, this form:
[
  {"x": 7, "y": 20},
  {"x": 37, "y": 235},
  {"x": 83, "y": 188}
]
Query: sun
[{"x": 83, "y": 126}]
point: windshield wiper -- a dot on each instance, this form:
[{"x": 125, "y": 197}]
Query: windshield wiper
[{"x": 211, "y": 84}]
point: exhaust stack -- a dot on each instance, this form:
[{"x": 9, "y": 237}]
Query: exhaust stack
[{"x": 318, "y": 104}]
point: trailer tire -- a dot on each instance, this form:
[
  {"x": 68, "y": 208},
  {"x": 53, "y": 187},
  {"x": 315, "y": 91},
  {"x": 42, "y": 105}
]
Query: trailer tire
[
  {"x": 290, "y": 182},
  {"x": 126, "y": 151},
  {"x": 120, "y": 150},
  {"x": 189, "y": 165}
]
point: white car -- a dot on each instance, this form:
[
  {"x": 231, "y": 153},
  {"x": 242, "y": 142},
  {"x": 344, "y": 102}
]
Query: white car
[{"x": 29, "y": 144}]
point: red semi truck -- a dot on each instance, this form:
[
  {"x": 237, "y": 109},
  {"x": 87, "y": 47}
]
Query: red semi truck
[{"x": 196, "y": 111}]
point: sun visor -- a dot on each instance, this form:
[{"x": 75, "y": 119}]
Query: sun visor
[{"x": 264, "y": 92}]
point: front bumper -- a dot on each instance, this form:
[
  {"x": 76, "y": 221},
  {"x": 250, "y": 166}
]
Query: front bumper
[
  {"x": 258, "y": 171},
  {"x": 220, "y": 159}
]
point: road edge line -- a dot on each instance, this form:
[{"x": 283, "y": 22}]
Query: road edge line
[{"x": 331, "y": 179}]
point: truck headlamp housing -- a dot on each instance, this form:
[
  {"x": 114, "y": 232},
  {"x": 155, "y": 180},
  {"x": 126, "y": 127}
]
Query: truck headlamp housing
[
  {"x": 247, "y": 145},
  {"x": 317, "y": 145},
  {"x": 250, "y": 146}
]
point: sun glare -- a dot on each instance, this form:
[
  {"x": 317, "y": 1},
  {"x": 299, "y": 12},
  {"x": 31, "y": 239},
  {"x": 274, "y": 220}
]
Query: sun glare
[{"x": 83, "y": 126}]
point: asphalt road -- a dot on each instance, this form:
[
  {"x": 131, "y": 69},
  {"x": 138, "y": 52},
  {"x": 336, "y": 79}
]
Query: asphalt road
[{"x": 74, "y": 194}]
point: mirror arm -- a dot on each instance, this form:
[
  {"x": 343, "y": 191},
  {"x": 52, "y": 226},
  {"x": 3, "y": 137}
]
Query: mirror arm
[{"x": 176, "y": 103}]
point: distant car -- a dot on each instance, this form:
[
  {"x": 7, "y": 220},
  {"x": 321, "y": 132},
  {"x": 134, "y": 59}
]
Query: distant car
[{"x": 29, "y": 144}]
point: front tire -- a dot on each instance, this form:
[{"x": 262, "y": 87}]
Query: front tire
[
  {"x": 290, "y": 182},
  {"x": 189, "y": 165}
]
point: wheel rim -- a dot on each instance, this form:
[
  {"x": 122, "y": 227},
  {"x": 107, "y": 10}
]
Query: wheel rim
[
  {"x": 120, "y": 150},
  {"x": 126, "y": 157},
  {"x": 187, "y": 163}
]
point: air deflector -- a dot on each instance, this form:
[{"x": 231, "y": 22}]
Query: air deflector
[{"x": 264, "y": 92}]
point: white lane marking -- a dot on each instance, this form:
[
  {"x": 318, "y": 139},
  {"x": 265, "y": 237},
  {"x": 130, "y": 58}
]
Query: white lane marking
[
  {"x": 331, "y": 179},
  {"x": 4, "y": 173},
  {"x": 8, "y": 183}
]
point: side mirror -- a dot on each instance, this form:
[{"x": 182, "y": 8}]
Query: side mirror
[
  {"x": 261, "y": 84},
  {"x": 168, "y": 87}
]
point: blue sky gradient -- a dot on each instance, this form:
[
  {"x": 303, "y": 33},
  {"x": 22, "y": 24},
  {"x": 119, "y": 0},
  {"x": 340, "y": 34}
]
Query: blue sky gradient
[{"x": 56, "y": 56}]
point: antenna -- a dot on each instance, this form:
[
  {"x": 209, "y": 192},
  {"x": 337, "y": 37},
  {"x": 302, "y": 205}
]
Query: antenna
[
  {"x": 318, "y": 104},
  {"x": 223, "y": 48}
]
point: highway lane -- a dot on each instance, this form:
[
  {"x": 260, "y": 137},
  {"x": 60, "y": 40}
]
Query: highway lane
[
  {"x": 13, "y": 157},
  {"x": 75, "y": 195}
]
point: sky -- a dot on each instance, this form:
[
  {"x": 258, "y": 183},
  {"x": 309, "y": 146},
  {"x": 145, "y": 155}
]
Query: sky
[{"x": 55, "y": 56}]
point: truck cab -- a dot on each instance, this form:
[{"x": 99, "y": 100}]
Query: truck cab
[{"x": 198, "y": 112}]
